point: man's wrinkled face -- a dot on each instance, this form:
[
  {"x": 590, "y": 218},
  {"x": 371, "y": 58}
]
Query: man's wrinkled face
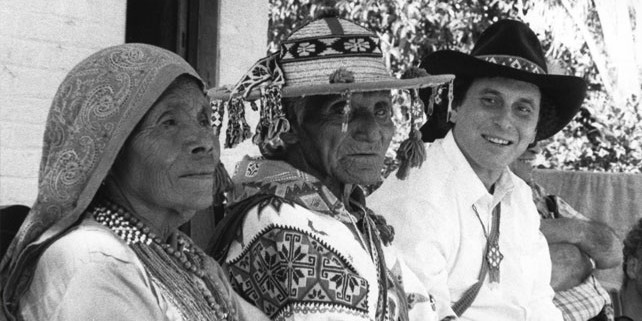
[
  {"x": 169, "y": 160},
  {"x": 353, "y": 157},
  {"x": 523, "y": 166},
  {"x": 496, "y": 122}
]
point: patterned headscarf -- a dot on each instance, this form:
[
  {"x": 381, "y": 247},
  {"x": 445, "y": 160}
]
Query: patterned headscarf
[{"x": 96, "y": 108}]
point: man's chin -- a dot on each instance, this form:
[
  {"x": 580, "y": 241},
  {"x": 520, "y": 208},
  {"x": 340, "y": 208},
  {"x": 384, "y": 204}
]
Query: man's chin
[{"x": 363, "y": 179}]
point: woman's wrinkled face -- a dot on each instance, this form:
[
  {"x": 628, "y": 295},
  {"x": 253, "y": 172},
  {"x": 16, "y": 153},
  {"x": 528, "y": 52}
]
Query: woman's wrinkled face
[
  {"x": 169, "y": 160},
  {"x": 355, "y": 156}
]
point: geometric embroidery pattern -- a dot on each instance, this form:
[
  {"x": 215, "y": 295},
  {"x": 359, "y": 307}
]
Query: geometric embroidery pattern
[
  {"x": 284, "y": 266},
  {"x": 331, "y": 46},
  {"x": 513, "y": 62}
]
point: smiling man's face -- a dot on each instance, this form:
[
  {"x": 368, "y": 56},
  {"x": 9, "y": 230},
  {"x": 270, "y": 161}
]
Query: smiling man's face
[{"x": 495, "y": 123}]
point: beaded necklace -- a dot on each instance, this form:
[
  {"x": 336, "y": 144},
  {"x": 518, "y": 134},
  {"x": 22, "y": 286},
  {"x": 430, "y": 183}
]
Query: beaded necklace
[{"x": 179, "y": 271}]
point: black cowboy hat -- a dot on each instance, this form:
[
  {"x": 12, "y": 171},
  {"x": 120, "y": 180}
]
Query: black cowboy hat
[{"x": 510, "y": 49}]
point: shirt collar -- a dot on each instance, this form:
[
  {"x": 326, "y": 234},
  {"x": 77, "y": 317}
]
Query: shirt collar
[{"x": 470, "y": 186}]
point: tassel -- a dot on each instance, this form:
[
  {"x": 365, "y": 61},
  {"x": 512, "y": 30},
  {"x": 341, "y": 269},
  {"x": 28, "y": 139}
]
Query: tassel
[
  {"x": 218, "y": 111},
  {"x": 346, "y": 111},
  {"x": 411, "y": 153},
  {"x": 450, "y": 101}
]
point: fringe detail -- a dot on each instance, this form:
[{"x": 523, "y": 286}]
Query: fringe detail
[
  {"x": 411, "y": 153},
  {"x": 236, "y": 126},
  {"x": 450, "y": 101}
]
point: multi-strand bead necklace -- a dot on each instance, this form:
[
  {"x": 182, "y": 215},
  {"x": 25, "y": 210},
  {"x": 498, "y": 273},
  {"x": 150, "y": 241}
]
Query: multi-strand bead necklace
[{"x": 185, "y": 256}]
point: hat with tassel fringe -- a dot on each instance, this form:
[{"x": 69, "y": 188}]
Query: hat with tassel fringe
[{"x": 326, "y": 56}]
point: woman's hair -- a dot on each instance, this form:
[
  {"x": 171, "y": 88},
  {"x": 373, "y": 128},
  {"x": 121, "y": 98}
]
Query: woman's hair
[{"x": 632, "y": 245}]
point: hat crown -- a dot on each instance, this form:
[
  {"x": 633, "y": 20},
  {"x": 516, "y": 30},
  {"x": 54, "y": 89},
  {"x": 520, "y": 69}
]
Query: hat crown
[
  {"x": 510, "y": 38},
  {"x": 329, "y": 26}
]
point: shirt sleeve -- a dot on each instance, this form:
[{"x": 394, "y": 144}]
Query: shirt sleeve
[{"x": 541, "y": 306}]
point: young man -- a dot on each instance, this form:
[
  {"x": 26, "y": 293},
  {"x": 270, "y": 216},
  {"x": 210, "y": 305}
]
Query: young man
[{"x": 466, "y": 224}]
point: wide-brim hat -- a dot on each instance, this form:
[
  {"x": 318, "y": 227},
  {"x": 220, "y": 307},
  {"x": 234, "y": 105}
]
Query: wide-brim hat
[
  {"x": 510, "y": 49},
  {"x": 325, "y": 56}
]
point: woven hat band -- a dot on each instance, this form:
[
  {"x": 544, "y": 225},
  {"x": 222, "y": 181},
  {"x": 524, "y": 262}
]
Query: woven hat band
[
  {"x": 514, "y": 62},
  {"x": 354, "y": 45},
  {"x": 317, "y": 72}
]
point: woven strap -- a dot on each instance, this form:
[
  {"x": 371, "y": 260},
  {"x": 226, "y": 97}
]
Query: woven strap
[{"x": 469, "y": 296}]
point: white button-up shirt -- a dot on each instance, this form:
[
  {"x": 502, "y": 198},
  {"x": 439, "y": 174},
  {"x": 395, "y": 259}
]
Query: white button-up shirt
[{"x": 440, "y": 213}]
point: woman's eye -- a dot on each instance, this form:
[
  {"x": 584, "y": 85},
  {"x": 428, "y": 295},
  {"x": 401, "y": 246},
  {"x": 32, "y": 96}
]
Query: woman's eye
[
  {"x": 169, "y": 122},
  {"x": 205, "y": 122}
]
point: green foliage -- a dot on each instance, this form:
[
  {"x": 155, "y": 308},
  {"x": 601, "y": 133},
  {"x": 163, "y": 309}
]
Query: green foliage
[{"x": 603, "y": 137}]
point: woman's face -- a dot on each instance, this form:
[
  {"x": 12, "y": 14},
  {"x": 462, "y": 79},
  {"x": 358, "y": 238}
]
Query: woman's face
[
  {"x": 168, "y": 161},
  {"x": 355, "y": 156}
]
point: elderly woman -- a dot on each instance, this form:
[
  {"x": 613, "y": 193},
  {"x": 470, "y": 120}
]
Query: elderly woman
[
  {"x": 298, "y": 240},
  {"x": 129, "y": 155}
]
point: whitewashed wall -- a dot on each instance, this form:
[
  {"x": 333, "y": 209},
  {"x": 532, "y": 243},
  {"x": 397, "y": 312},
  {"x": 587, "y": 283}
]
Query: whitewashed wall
[
  {"x": 40, "y": 41},
  {"x": 242, "y": 41}
]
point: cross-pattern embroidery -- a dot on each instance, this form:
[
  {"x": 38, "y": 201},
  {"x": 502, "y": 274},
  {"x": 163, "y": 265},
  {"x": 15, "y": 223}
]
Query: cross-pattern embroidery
[{"x": 283, "y": 266}]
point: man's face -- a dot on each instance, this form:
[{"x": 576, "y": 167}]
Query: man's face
[
  {"x": 355, "y": 156},
  {"x": 496, "y": 122}
]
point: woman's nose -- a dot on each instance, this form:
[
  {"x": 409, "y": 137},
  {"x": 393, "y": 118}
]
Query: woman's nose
[{"x": 202, "y": 141}]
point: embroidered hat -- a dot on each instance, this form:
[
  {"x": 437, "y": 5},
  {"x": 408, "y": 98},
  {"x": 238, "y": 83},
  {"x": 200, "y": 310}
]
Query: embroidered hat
[
  {"x": 510, "y": 49},
  {"x": 325, "y": 56}
]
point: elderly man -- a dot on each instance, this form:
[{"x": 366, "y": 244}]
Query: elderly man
[
  {"x": 577, "y": 246},
  {"x": 467, "y": 225},
  {"x": 298, "y": 240}
]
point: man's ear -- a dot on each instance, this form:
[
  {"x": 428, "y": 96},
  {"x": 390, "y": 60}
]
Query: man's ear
[
  {"x": 631, "y": 268},
  {"x": 290, "y": 138}
]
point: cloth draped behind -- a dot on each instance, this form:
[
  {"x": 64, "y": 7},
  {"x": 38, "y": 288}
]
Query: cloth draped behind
[{"x": 611, "y": 198}]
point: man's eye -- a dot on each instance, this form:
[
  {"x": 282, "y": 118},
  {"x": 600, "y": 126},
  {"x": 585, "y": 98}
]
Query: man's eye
[
  {"x": 382, "y": 112},
  {"x": 489, "y": 101},
  {"x": 523, "y": 109},
  {"x": 205, "y": 122},
  {"x": 338, "y": 108}
]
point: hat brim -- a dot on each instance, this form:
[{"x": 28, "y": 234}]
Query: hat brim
[
  {"x": 223, "y": 93},
  {"x": 565, "y": 92}
]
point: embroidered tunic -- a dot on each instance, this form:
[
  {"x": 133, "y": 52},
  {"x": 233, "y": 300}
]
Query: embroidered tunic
[
  {"x": 440, "y": 235},
  {"x": 298, "y": 254}
]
